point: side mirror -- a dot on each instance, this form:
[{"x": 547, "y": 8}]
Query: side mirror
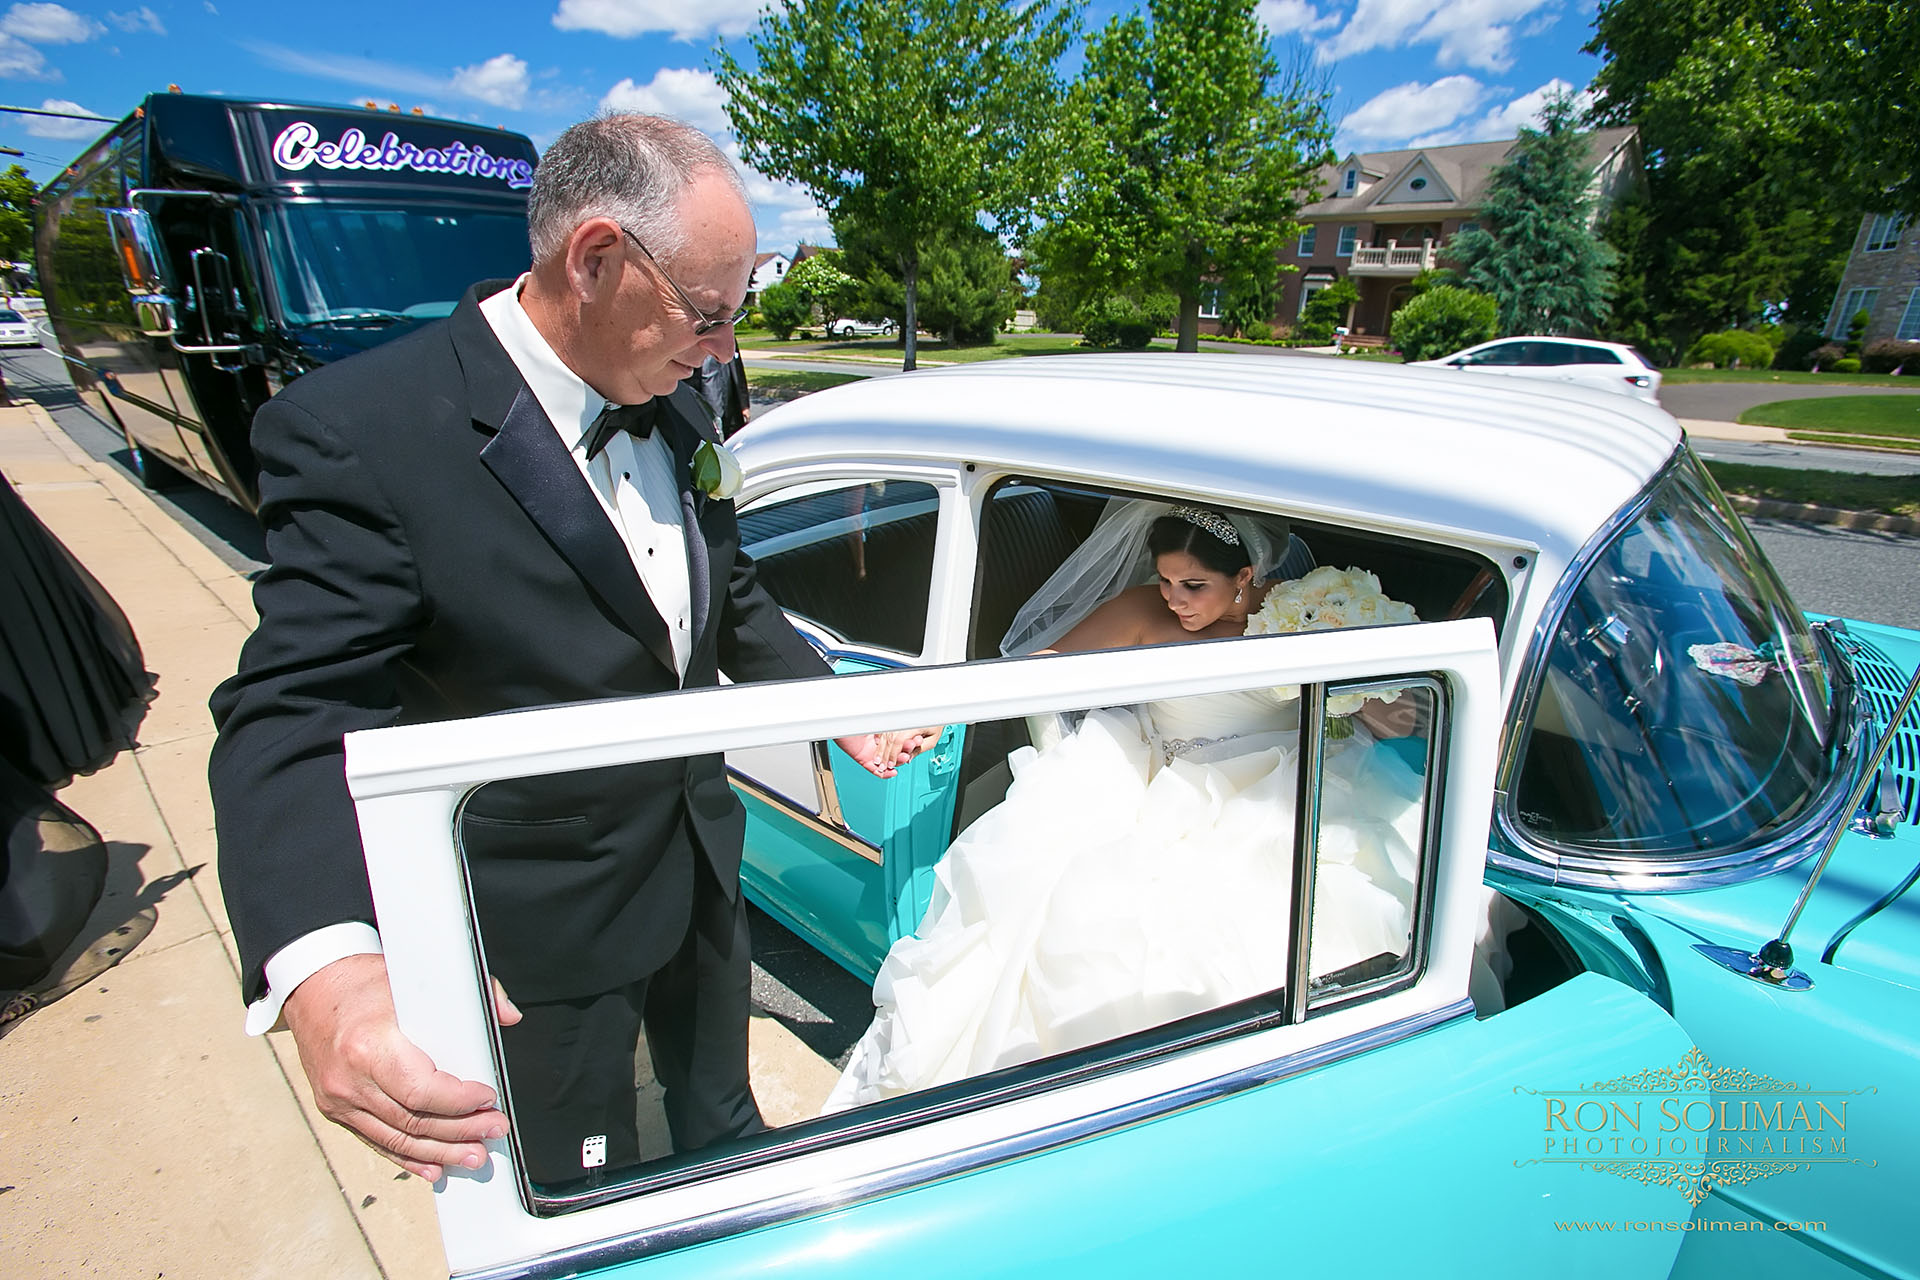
[
  {"x": 153, "y": 312},
  {"x": 137, "y": 249}
]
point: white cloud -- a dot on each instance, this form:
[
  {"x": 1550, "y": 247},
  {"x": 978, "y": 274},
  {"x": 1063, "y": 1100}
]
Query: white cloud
[
  {"x": 49, "y": 24},
  {"x": 693, "y": 96},
  {"x": 501, "y": 80},
  {"x": 1474, "y": 33},
  {"x": 1283, "y": 17},
  {"x": 493, "y": 81},
  {"x": 637, "y": 17},
  {"x": 21, "y": 61},
  {"x": 56, "y": 127},
  {"x": 783, "y": 213},
  {"x": 1504, "y": 119},
  {"x": 141, "y": 19},
  {"x": 1408, "y": 108}
]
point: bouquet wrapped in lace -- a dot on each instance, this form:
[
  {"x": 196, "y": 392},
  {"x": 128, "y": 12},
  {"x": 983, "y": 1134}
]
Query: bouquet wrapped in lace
[{"x": 1325, "y": 599}]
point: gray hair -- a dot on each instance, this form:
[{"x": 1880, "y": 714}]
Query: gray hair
[{"x": 631, "y": 168}]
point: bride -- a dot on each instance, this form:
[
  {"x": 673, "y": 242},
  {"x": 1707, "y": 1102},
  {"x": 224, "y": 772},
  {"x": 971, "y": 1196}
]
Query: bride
[{"x": 1139, "y": 869}]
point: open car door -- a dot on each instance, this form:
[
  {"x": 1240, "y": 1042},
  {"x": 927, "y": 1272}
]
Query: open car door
[{"x": 1345, "y": 1085}]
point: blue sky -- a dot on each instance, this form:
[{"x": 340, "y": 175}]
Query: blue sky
[{"x": 1403, "y": 71}]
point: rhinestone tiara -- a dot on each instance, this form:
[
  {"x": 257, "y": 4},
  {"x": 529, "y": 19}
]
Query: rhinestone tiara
[{"x": 1212, "y": 521}]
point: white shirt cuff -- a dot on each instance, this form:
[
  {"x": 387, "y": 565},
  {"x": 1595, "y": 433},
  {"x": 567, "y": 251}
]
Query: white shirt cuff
[{"x": 300, "y": 959}]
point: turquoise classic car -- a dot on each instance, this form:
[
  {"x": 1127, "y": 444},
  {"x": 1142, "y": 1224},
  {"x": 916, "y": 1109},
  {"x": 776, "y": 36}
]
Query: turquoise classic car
[{"x": 1590, "y": 951}]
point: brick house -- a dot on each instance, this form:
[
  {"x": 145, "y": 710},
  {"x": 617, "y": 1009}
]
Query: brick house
[
  {"x": 1883, "y": 279},
  {"x": 1387, "y": 216}
]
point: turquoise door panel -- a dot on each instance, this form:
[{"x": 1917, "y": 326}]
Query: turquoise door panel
[
  {"x": 1409, "y": 1159},
  {"x": 1855, "y": 1039},
  {"x": 844, "y": 903}
]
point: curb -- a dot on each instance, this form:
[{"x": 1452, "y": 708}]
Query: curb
[{"x": 1834, "y": 517}]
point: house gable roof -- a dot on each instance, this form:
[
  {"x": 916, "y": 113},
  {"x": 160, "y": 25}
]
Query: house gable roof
[{"x": 1456, "y": 177}]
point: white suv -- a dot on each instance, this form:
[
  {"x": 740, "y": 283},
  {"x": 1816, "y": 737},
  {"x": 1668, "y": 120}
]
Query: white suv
[{"x": 1610, "y": 366}]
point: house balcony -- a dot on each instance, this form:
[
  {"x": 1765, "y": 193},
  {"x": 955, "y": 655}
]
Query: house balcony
[{"x": 1394, "y": 260}]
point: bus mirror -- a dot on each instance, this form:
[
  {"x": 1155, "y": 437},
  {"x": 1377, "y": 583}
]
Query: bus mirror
[
  {"x": 153, "y": 312},
  {"x": 137, "y": 249},
  {"x": 213, "y": 289}
]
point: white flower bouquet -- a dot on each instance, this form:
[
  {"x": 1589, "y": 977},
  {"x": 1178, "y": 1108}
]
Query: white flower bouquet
[{"x": 1324, "y": 600}]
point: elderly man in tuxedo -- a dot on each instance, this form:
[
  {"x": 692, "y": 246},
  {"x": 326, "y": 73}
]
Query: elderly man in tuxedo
[{"x": 498, "y": 511}]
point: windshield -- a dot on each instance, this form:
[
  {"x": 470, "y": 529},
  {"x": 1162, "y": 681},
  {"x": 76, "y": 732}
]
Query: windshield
[
  {"x": 378, "y": 264},
  {"x": 1684, "y": 703}
]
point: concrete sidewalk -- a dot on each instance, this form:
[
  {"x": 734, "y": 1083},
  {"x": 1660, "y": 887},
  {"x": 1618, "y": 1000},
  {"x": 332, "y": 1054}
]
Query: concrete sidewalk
[{"x": 141, "y": 1133}]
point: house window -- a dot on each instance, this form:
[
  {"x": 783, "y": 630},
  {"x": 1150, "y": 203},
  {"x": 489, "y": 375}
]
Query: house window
[
  {"x": 1309, "y": 288},
  {"x": 1418, "y": 184},
  {"x": 1909, "y": 330},
  {"x": 1856, "y": 301},
  {"x": 1349, "y": 234},
  {"x": 1885, "y": 232},
  {"x": 1353, "y": 176},
  {"x": 1466, "y": 227},
  {"x": 1307, "y": 238},
  {"x": 1210, "y": 296}
]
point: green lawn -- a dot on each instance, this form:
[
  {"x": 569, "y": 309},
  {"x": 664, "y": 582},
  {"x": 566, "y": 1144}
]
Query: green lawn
[
  {"x": 1895, "y": 495},
  {"x": 789, "y": 384},
  {"x": 1844, "y": 415},
  {"x": 1789, "y": 378}
]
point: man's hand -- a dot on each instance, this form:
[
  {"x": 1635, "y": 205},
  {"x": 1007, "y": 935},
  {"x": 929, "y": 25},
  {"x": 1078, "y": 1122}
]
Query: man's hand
[
  {"x": 372, "y": 1080},
  {"x": 882, "y": 754}
]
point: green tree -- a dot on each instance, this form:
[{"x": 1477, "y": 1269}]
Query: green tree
[
  {"x": 822, "y": 283},
  {"x": 1189, "y": 155},
  {"x": 1752, "y": 192},
  {"x": 1326, "y": 309},
  {"x": 16, "y": 214},
  {"x": 914, "y": 116},
  {"x": 1535, "y": 252},
  {"x": 1442, "y": 320},
  {"x": 784, "y": 308}
]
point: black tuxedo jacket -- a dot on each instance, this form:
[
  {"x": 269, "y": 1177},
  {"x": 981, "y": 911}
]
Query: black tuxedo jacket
[{"x": 435, "y": 553}]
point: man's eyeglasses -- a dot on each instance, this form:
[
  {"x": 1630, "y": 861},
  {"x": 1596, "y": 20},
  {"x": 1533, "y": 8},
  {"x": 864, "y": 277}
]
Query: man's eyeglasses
[{"x": 703, "y": 324}]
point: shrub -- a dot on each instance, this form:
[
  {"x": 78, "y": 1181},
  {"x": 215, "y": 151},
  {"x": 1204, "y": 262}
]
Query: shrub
[
  {"x": 1258, "y": 331},
  {"x": 1825, "y": 356},
  {"x": 1733, "y": 349},
  {"x": 1796, "y": 351},
  {"x": 1117, "y": 320},
  {"x": 1846, "y": 364},
  {"x": 1857, "y": 331},
  {"x": 1443, "y": 319},
  {"x": 1889, "y": 355},
  {"x": 784, "y": 308},
  {"x": 1326, "y": 310}
]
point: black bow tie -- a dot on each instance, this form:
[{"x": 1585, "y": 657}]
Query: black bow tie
[{"x": 635, "y": 419}]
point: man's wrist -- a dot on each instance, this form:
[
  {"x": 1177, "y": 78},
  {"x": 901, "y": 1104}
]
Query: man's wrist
[{"x": 300, "y": 959}]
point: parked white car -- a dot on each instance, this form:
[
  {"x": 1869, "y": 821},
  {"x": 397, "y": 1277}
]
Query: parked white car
[
  {"x": 16, "y": 330},
  {"x": 849, "y": 328},
  {"x": 1610, "y": 366}
]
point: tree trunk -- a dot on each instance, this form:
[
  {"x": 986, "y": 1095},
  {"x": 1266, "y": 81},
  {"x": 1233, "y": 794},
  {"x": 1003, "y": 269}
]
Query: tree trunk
[
  {"x": 1188, "y": 330},
  {"x": 910, "y": 322}
]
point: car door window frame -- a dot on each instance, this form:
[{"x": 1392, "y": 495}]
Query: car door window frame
[{"x": 409, "y": 781}]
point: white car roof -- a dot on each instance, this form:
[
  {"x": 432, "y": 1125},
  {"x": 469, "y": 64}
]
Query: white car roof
[{"x": 1508, "y": 460}]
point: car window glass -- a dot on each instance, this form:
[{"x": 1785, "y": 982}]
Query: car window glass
[
  {"x": 1130, "y": 885},
  {"x": 1587, "y": 353},
  {"x": 10, "y": 317},
  {"x": 1507, "y": 353},
  {"x": 1683, "y": 705},
  {"x": 855, "y": 559}
]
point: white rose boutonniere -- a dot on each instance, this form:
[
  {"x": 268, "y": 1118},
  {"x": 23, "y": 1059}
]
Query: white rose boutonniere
[{"x": 716, "y": 472}]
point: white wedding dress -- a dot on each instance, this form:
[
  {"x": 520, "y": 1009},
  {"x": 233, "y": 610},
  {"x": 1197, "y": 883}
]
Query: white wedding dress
[{"x": 1138, "y": 871}]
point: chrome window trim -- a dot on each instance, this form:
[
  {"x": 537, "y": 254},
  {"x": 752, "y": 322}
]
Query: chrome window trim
[
  {"x": 905, "y": 1177},
  {"x": 1513, "y": 848}
]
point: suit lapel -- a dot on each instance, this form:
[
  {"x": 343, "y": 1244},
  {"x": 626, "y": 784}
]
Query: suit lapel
[{"x": 525, "y": 454}]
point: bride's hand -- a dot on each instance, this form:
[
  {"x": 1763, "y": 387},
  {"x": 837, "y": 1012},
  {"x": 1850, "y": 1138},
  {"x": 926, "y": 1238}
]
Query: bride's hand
[{"x": 882, "y": 754}]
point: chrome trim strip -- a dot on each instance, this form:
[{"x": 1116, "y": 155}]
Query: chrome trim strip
[
  {"x": 1512, "y": 849},
  {"x": 831, "y": 811},
  {"x": 816, "y": 823},
  {"x": 773, "y": 1212},
  {"x": 1306, "y": 846}
]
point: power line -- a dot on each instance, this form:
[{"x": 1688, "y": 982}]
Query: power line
[{"x": 64, "y": 115}]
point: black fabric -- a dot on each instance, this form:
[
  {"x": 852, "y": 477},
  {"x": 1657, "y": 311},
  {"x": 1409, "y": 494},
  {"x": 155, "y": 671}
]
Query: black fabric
[
  {"x": 51, "y": 876},
  {"x": 571, "y": 1064},
  {"x": 435, "y": 553},
  {"x": 635, "y": 419},
  {"x": 73, "y": 686}
]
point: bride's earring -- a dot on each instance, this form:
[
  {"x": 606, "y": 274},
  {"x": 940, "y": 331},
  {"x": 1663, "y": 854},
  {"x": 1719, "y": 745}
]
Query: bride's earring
[{"x": 1237, "y": 595}]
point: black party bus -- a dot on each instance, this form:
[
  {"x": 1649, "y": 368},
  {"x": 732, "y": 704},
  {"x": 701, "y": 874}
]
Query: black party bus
[{"x": 207, "y": 251}]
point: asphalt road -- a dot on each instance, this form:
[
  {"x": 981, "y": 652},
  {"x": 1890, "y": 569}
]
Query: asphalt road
[
  {"x": 1809, "y": 457},
  {"x": 1726, "y": 401}
]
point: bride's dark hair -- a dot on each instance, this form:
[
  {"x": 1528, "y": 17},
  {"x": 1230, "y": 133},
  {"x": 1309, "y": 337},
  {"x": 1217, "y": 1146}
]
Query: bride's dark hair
[{"x": 1177, "y": 533}]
